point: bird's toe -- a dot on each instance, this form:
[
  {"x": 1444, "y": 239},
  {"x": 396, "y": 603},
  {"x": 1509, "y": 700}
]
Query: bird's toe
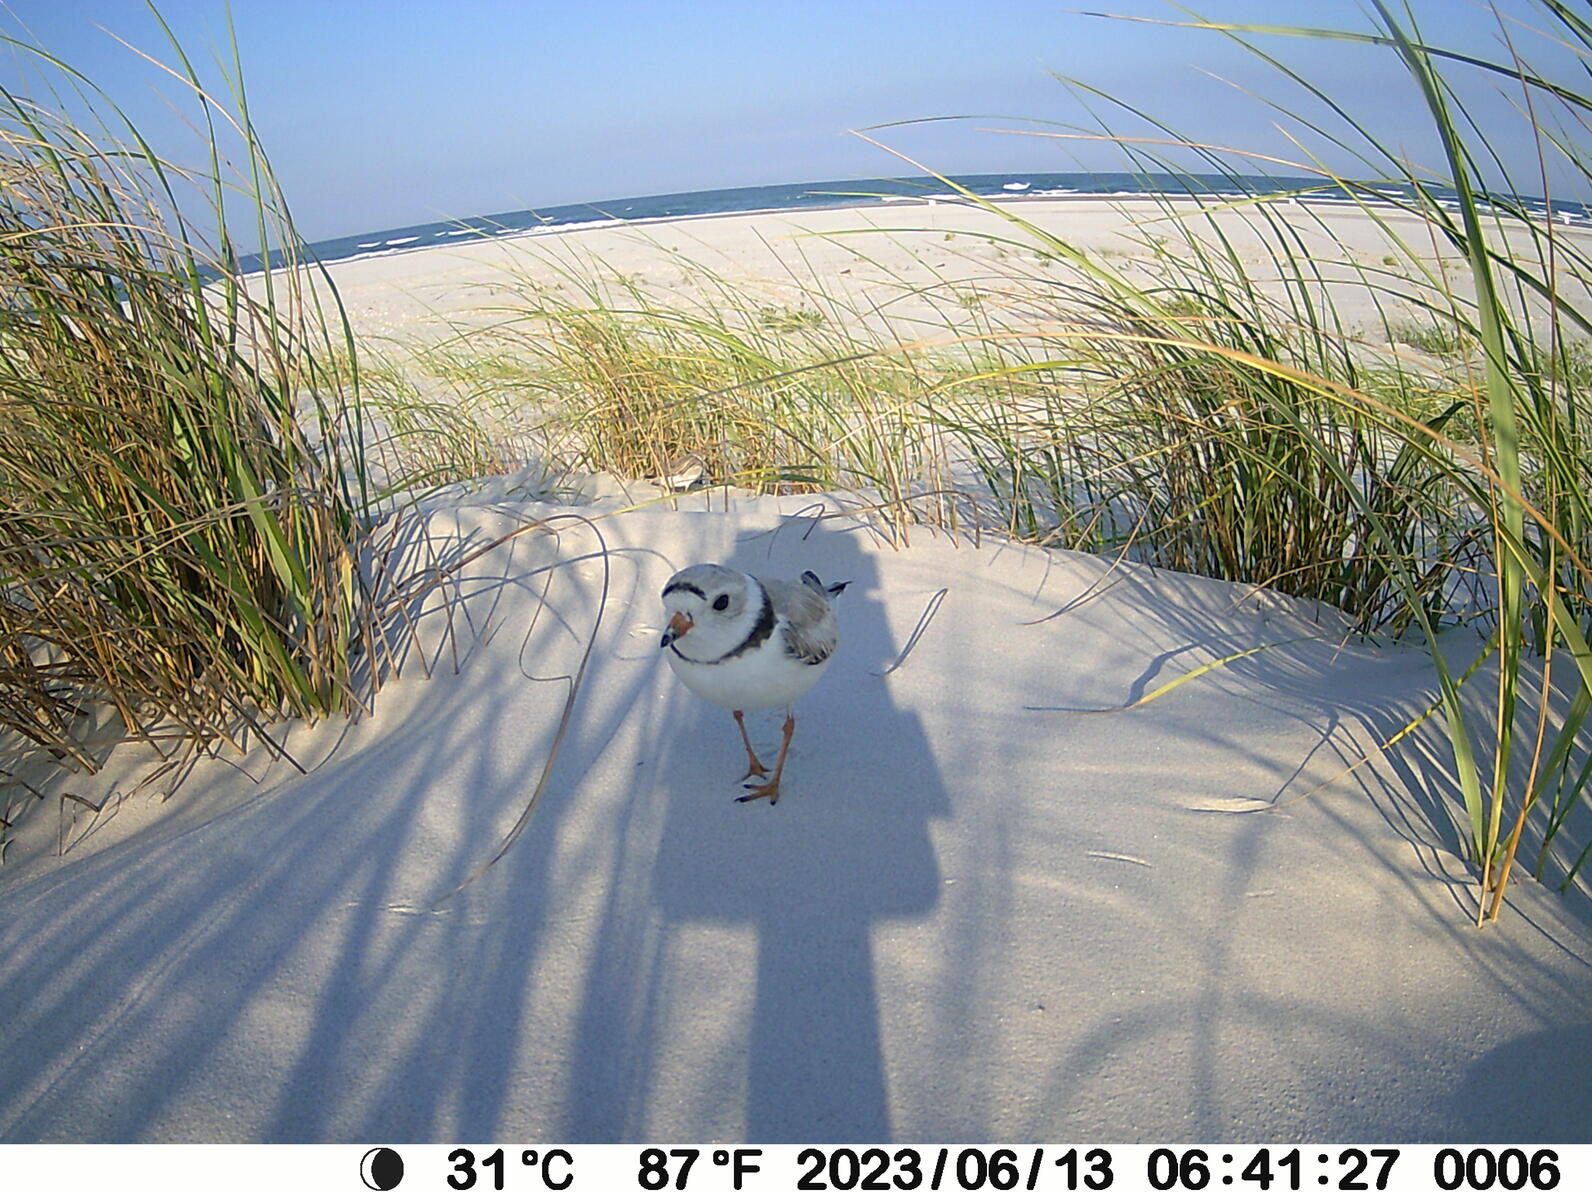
[{"x": 769, "y": 791}]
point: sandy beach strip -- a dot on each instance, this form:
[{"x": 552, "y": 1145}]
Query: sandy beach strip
[{"x": 872, "y": 255}]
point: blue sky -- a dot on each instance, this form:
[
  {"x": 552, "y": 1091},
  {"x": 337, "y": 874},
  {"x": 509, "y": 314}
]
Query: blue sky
[{"x": 379, "y": 115}]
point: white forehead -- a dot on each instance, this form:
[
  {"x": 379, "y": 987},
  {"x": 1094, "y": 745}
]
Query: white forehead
[{"x": 701, "y": 581}]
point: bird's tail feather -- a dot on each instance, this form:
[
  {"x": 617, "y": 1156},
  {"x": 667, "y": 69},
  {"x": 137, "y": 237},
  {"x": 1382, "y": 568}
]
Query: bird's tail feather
[{"x": 810, "y": 579}]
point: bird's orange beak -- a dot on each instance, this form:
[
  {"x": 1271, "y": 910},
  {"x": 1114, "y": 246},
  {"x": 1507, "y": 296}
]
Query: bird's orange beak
[{"x": 679, "y": 627}]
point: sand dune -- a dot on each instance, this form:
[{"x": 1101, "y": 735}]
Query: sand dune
[{"x": 979, "y": 912}]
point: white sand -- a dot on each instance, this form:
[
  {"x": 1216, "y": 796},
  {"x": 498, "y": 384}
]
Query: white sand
[
  {"x": 898, "y": 257},
  {"x": 969, "y": 918}
]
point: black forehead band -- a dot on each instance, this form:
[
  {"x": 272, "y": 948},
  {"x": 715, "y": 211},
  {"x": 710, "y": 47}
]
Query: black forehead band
[{"x": 676, "y": 586}]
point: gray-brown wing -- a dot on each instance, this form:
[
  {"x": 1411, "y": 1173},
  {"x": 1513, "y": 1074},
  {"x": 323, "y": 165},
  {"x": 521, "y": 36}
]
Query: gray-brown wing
[{"x": 811, "y": 632}]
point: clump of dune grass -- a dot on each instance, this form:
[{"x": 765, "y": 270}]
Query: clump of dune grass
[
  {"x": 178, "y": 515},
  {"x": 1526, "y": 488},
  {"x": 723, "y": 388},
  {"x": 1256, "y": 437},
  {"x": 1136, "y": 420}
]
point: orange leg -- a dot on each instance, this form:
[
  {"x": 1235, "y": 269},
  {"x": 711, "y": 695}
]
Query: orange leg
[
  {"x": 753, "y": 766},
  {"x": 771, "y": 788}
]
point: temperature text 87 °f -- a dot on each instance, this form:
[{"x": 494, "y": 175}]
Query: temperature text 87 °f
[{"x": 672, "y": 1168}]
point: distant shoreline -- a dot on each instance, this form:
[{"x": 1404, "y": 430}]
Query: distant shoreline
[
  {"x": 633, "y": 212},
  {"x": 574, "y": 227}
]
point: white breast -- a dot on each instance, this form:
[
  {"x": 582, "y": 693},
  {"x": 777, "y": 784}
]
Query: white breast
[{"x": 763, "y": 678}]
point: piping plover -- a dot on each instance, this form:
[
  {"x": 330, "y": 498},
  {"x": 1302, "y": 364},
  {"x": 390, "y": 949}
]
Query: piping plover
[{"x": 747, "y": 643}]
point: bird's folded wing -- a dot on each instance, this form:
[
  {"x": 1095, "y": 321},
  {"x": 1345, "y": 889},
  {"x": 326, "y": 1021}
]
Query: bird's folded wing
[{"x": 810, "y": 630}]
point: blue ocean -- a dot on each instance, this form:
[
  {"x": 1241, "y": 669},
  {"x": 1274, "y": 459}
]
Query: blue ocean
[{"x": 843, "y": 193}]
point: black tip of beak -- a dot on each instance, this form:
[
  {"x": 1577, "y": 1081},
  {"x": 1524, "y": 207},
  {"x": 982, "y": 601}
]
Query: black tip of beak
[{"x": 668, "y": 637}]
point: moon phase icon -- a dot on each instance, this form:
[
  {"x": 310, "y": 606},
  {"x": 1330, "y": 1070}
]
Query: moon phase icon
[{"x": 382, "y": 1169}]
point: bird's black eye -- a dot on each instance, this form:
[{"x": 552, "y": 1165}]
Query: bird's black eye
[{"x": 721, "y": 602}]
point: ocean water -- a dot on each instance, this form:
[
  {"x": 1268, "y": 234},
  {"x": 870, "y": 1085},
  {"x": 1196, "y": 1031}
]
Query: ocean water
[{"x": 841, "y": 193}]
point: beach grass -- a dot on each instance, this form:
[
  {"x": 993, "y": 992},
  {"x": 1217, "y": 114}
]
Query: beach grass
[
  {"x": 1527, "y": 483},
  {"x": 1467, "y": 509},
  {"x": 178, "y": 515},
  {"x": 723, "y": 388}
]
